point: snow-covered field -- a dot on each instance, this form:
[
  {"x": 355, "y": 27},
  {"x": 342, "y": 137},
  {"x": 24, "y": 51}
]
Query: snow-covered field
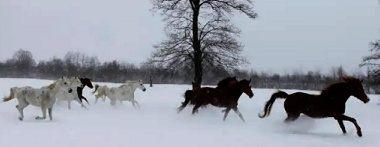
[{"x": 157, "y": 124}]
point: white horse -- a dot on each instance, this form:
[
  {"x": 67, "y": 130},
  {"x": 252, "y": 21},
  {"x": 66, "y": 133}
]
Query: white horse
[
  {"x": 66, "y": 96},
  {"x": 43, "y": 97},
  {"x": 124, "y": 92}
]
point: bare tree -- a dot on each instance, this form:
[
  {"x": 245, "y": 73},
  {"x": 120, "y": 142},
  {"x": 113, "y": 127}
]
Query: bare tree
[
  {"x": 338, "y": 72},
  {"x": 193, "y": 43},
  {"x": 372, "y": 62},
  {"x": 24, "y": 62}
]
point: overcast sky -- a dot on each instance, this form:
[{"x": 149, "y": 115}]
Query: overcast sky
[{"x": 295, "y": 34}]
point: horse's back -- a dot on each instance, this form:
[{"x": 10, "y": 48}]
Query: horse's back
[
  {"x": 207, "y": 93},
  {"x": 311, "y": 105},
  {"x": 299, "y": 101}
]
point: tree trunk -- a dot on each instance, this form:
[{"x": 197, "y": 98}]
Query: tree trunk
[
  {"x": 150, "y": 81},
  {"x": 198, "y": 75},
  {"x": 198, "y": 69}
]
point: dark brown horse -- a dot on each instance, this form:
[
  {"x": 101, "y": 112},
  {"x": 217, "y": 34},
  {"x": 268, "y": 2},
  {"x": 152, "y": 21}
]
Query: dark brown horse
[
  {"x": 222, "y": 84},
  {"x": 331, "y": 102},
  {"x": 226, "y": 97},
  {"x": 85, "y": 82}
]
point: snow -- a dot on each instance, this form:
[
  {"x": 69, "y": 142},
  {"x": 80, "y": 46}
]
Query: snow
[{"x": 157, "y": 123}]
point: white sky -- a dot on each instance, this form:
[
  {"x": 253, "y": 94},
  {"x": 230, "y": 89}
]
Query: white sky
[{"x": 296, "y": 34}]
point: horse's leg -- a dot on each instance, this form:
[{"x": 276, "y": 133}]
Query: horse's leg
[
  {"x": 96, "y": 99},
  {"x": 292, "y": 117},
  {"x": 195, "y": 109},
  {"x": 69, "y": 104},
  {"x": 353, "y": 120},
  {"x": 236, "y": 109},
  {"x": 59, "y": 102},
  {"x": 84, "y": 98},
  {"x": 133, "y": 104},
  {"x": 20, "y": 107},
  {"x": 80, "y": 102},
  {"x": 50, "y": 111},
  {"x": 43, "y": 109},
  {"x": 226, "y": 111},
  {"x": 113, "y": 102},
  {"x": 137, "y": 103},
  {"x": 341, "y": 125}
]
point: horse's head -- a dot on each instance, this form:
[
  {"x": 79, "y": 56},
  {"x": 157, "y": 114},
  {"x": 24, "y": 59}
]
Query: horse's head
[
  {"x": 140, "y": 84},
  {"x": 86, "y": 82},
  {"x": 62, "y": 83},
  {"x": 355, "y": 88},
  {"x": 246, "y": 86},
  {"x": 75, "y": 82}
]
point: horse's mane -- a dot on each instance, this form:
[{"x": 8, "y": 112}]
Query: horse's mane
[
  {"x": 226, "y": 81},
  {"x": 85, "y": 79},
  {"x": 52, "y": 85},
  {"x": 337, "y": 86}
]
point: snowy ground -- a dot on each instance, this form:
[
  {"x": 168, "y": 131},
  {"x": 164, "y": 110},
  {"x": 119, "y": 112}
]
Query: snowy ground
[{"x": 158, "y": 124}]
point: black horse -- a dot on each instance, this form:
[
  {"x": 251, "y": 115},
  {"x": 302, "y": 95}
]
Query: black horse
[
  {"x": 331, "y": 102},
  {"x": 85, "y": 82},
  {"x": 222, "y": 84}
]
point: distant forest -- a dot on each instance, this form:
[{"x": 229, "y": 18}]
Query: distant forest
[{"x": 23, "y": 65}]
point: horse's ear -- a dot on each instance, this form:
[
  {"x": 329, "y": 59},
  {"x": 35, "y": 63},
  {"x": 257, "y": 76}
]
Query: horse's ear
[
  {"x": 361, "y": 81},
  {"x": 62, "y": 77}
]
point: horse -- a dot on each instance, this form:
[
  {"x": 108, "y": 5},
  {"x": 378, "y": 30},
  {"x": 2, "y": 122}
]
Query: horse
[
  {"x": 124, "y": 92},
  {"x": 43, "y": 97},
  {"x": 65, "y": 96},
  {"x": 85, "y": 82},
  {"x": 102, "y": 91},
  {"x": 223, "y": 83},
  {"x": 226, "y": 97},
  {"x": 329, "y": 103}
]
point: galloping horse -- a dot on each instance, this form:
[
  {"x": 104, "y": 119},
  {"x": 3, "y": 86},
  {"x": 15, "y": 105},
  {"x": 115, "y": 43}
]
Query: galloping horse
[
  {"x": 43, "y": 97},
  {"x": 85, "y": 82},
  {"x": 222, "y": 84},
  {"x": 226, "y": 97},
  {"x": 331, "y": 102},
  {"x": 124, "y": 92},
  {"x": 65, "y": 96}
]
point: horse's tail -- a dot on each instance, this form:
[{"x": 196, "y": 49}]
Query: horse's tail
[
  {"x": 269, "y": 103},
  {"x": 96, "y": 88},
  {"x": 11, "y": 95},
  {"x": 189, "y": 94}
]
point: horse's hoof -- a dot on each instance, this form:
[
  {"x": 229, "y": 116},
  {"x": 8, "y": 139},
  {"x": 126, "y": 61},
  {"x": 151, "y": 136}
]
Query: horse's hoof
[
  {"x": 38, "y": 117},
  {"x": 20, "y": 118},
  {"x": 360, "y": 134}
]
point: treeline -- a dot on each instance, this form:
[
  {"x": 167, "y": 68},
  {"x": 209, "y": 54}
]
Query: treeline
[{"x": 23, "y": 65}]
